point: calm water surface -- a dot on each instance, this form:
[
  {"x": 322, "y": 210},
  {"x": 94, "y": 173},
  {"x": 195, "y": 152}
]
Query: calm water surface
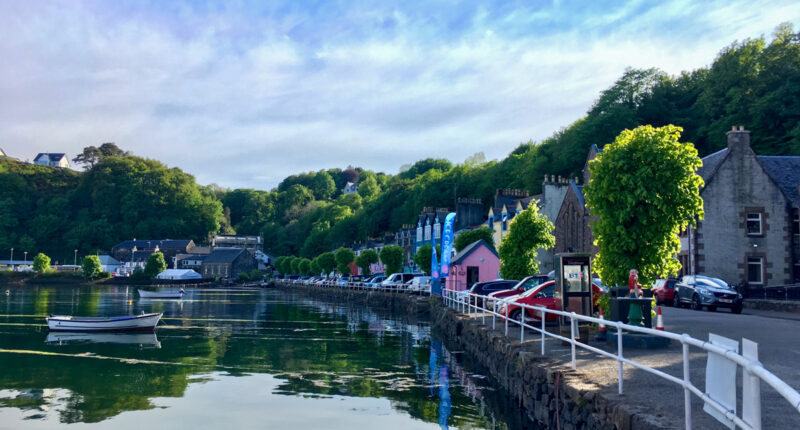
[{"x": 232, "y": 358}]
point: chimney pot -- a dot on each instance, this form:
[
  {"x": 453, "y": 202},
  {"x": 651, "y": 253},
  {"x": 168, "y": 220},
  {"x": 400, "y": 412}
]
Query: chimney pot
[
  {"x": 733, "y": 128},
  {"x": 741, "y": 128}
]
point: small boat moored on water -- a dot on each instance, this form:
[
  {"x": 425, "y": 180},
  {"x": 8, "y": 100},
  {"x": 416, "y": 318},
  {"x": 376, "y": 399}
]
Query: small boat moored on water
[
  {"x": 120, "y": 323},
  {"x": 143, "y": 339},
  {"x": 161, "y": 294}
]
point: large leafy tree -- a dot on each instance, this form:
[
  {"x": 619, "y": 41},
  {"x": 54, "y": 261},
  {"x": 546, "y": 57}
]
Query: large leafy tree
[
  {"x": 392, "y": 259},
  {"x": 467, "y": 237},
  {"x": 643, "y": 190},
  {"x": 155, "y": 265},
  {"x": 304, "y": 266},
  {"x": 294, "y": 264},
  {"x": 41, "y": 263},
  {"x": 365, "y": 259},
  {"x": 91, "y": 267},
  {"x": 528, "y": 231},
  {"x": 344, "y": 256},
  {"x": 423, "y": 257},
  {"x": 327, "y": 261},
  {"x": 91, "y": 155},
  {"x": 316, "y": 269}
]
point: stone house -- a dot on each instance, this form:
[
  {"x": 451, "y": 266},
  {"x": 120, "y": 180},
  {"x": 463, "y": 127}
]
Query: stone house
[
  {"x": 750, "y": 233},
  {"x": 477, "y": 262},
  {"x": 51, "y": 159},
  {"x": 573, "y": 233},
  {"x": 553, "y": 192},
  {"x": 227, "y": 263}
]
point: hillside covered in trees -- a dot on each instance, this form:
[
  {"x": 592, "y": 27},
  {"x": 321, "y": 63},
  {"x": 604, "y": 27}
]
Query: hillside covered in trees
[{"x": 755, "y": 83}]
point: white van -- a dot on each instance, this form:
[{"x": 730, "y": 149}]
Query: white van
[
  {"x": 419, "y": 285},
  {"x": 398, "y": 279}
]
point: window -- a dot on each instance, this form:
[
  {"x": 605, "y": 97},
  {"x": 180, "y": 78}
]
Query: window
[
  {"x": 796, "y": 222},
  {"x": 754, "y": 270},
  {"x": 754, "y": 224}
]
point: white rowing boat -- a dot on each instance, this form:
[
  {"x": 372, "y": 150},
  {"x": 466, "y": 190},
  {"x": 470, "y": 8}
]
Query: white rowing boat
[
  {"x": 120, "y": 323},
  {"x": 161, "y": 294}
]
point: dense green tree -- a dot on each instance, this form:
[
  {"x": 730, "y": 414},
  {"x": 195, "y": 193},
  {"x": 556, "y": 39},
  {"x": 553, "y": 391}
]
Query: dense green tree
[
  {"x": 327, "y": 261},
  {"x": 365, "y": 259},
  {"x": 155, "y": 265},
  {"x": 279, "y": 264},
  {"x": 91, "y": 267},
  {"x": 425, "y": 165},
  {"x": 316, "y": 269},
  {"x": 528, "y": 231},
  {"x": 424, "y": 257},
  {"x": 91, "y": 155},
  {"x": 41, "y": 263},
  {"x": 304, "y": 266},
  {"x": 644, "y": 189},
  {"x": 344, "y": 256},
  {"x": 323, "y": 186},
  {"x": 467, "y": 237},
  {"x": 368, "y": 187},
  {"x": 392, "y": 259},
  {"x": 294, "y": 264}
]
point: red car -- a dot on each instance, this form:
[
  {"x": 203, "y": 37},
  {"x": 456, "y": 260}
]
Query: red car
[
  {"x": 664, "y": 291},
  {"x": 524, "y": 285},
  {"x": 543, "y": 295}
]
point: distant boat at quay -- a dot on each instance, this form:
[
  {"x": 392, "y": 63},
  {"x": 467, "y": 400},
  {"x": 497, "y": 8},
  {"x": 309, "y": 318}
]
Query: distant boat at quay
[
  {"x": 161, "y": 294},
  {"x": 119, "y": 323}
]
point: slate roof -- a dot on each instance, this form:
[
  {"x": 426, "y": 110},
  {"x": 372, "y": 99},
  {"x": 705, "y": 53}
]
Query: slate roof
[
  {"x": 107, "y": 260},
  {"x": 710, "y": 163},
  {"x": 223, "y": 255},
  {"x": 52, "y": 156},
  {"x": 469, "y": 249},
  {"x": 578, "y": 190},
  {"x": 785, "y": 171}
]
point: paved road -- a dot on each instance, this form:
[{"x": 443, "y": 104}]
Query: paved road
[{"x": 778, "y": 336}]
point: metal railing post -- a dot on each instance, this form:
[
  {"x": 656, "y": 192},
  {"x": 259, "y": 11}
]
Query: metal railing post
[
  {"x": 522, "y": 325},
  {"x": 543, "y": 318},
  {"x": 483, "y": 311},
  {"x": 572, "y": 337},
  {"x": 505, "y": 317},
  {"x": 619, "y": 354},
  {"x": 493, "y": 313},
  {"x": 687, "y": 395}
]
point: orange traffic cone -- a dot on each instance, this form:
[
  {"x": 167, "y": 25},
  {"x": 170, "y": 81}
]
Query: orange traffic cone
[
  {"x": 601, "y": 329},
  {"x": 659, "y": 319}
]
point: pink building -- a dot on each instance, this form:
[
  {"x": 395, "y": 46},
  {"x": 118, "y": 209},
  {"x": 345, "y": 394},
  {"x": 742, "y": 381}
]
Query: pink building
[{"x": 478, "y": 262}]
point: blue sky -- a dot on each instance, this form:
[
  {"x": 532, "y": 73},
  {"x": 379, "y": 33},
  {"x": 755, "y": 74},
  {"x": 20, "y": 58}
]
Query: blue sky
[{"x": 243, "y": 93}]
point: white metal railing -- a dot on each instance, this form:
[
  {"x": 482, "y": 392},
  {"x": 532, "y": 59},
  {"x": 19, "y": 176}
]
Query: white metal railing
[{"x": 472, "y": 304}]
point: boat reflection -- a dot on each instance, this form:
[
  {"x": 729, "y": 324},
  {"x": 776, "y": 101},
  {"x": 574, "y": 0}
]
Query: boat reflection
[{"x": 144, "y": 340}]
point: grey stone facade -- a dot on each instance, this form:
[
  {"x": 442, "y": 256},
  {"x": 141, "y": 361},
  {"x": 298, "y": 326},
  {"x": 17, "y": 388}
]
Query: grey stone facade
[
  {"x": 553, "y": 193},
  {"x": 747, "y": 234}
]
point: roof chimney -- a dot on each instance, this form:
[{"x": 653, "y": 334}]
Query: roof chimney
[{"x": 738, "y": 139}]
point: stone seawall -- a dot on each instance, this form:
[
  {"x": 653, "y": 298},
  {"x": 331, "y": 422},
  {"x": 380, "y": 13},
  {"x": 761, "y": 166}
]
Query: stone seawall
[{"x": 542, "y": 386}]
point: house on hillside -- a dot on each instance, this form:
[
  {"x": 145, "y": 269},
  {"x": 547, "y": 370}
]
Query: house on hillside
[
  {"x": 350, "y": 188},
  {"x": 52, "y": 160},
  {"x": 750, "y": 233},
  {"x": 227, "y": 263},
  {"x": 507, "y": 204},
  {"x": 477, "y": 262},
  {"x": 169, "y": 247}
]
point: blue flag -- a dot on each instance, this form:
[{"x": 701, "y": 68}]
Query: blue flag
[{"x": 447, "y": 244}]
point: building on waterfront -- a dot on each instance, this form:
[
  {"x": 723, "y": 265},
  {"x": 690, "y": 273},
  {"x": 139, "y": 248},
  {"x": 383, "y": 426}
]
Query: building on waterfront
[
  {"x": 508, "y": 202},
  {"x": 477, "y": 262},
  {"x": 190, "y": 261},
  {"x": 51, "y": 159},
  {"x": 554, "y": 189},
  {"x": 110, "y": 264},
  {"x": 125, "y": 250},
  {"x": 750, "y": 233},
  {"x": 250, "y": 243},
  {"x": 227, "y": 263},
  {"x": 430, "y": 225}
]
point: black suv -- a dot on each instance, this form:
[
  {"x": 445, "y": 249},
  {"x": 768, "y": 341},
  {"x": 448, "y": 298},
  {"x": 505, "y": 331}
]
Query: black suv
[{"x": 698, "y": 291}]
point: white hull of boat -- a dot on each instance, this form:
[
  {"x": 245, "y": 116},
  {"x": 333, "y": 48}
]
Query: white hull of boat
[
  {"x": 163, "y": 295},
  {"x": 121, "y": 323}
]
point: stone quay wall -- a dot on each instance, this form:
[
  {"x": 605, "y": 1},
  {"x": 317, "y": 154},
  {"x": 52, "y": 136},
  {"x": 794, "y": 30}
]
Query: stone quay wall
[{"x": 544, "y": 388}]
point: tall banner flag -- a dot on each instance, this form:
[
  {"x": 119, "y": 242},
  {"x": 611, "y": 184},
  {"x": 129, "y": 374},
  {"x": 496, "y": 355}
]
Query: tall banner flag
[
  {"x": 434, "y": 264},
  {"x": 447, "y": 244}
]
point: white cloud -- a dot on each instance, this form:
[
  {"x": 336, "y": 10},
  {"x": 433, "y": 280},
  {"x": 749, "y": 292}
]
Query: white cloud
[{"x": 244, "y": 99}]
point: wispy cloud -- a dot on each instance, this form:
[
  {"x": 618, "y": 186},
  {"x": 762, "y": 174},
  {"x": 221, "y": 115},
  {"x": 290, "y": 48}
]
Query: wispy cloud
[{"x": 245, "y": 95}]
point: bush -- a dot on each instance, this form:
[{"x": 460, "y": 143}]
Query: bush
[
  {"x": 91, "y": 267},
  {"x": 104, "y": 275},
  {"x": 138, "y": 274},
  {"x": 41, "y": 263}
]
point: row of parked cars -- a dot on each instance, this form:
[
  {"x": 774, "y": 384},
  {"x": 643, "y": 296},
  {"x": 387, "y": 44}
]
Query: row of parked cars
[
  {"x": 411, "y": 282},
  {"x": 698, "y": 292}
]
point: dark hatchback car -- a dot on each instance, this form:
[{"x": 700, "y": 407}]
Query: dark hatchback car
[
  {"x": 698, "y": 291},
  {"x": 487, "y": 287}
]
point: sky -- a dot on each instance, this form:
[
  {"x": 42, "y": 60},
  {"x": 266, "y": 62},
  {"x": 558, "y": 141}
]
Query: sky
[{"x": 243, "y": 94}]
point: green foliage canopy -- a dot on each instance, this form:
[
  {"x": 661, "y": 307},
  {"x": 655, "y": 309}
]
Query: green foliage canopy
[
  {"x": 365, "y": 259},
  {"x": 344, "y": 256},
  {"x": 423, "y": 257},
  {"x": 392, "y": 259},
  {"x": 644, "y": 189},
  {"x": 528, "y": 231},
  {"x": 155, "y": 265},
  {"x": 327, "y": 261},
  {"x": 467, "y": 237},
  {"x": 41, "y": 263},
  {"x": 305, "y": 266},
  {"x": 91, "y": 267}
]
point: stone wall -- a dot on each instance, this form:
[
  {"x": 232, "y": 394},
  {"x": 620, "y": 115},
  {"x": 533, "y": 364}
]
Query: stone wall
[{"x": 547, "y": 394}]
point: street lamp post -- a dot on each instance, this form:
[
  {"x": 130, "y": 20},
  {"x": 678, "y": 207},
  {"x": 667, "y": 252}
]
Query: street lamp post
[
  {"x": 26, "y": 258},
  {"x": 75, "y": 259},
  {"x": 11, "y": 262}
]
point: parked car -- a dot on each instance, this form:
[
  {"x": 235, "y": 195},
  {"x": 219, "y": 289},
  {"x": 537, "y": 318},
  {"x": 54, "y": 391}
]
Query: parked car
[
  {"x": 398, "y": 279},
  {"x": 375, "y": 281},
  {"x": 419, "y": 285},
  {"x": 487, "y": 287},
  {"x": 664, "y": 291},
  {"x": 541, "y": 295},
  {"x": 522, "y": 286},
  {"x": 698, "y": 291}
]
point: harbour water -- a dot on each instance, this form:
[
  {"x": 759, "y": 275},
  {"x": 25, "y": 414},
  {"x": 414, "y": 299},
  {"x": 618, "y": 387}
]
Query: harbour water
[{"x": 233, "y": 358}]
